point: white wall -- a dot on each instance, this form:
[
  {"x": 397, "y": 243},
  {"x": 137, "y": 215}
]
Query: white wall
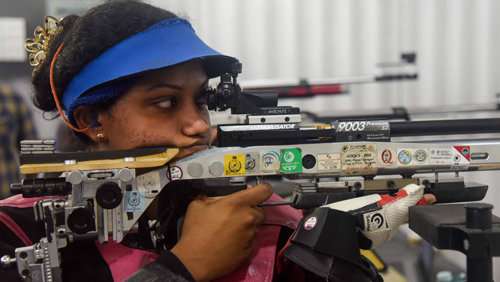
[{"x": 455, "y": 41}]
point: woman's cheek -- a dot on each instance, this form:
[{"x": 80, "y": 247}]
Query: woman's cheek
[
  {"x": 154, "y": 136},
  {"x": 133, "y": 128}
]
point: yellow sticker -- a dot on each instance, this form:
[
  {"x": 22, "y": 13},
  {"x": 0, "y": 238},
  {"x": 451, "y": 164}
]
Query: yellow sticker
[{"x": 234, "y": 165}]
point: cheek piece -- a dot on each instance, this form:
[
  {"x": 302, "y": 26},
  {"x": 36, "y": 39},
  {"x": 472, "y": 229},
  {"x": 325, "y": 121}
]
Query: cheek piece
[{"x": 166, "y": 43}]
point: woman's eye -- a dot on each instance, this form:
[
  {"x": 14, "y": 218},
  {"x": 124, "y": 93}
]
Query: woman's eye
[
  {"x": 165, "y": 104},
  {"x": 202, "y": 98},
  {"x": 202, "y": 101}
]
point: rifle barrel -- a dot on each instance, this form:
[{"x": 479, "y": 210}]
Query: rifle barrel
[{"x": 445, "y": 127}]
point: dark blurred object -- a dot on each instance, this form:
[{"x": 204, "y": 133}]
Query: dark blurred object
[
  {"x": 404, "y": 113},
  {"x": 16, "y": 124},
  {"x": 67, "y": 141},
  {"x": 470, "y": 229}
]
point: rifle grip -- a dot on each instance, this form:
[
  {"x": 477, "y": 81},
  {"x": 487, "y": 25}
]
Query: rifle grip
[{"x": 316, "y": 199}]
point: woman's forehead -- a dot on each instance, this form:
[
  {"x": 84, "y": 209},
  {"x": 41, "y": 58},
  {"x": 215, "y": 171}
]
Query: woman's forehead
[{"x": 185, "y": 74}]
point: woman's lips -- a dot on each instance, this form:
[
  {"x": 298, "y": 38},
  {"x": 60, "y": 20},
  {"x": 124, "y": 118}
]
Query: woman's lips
[{"x": 187, "y": 151}]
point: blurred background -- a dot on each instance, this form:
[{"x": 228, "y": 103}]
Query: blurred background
[{"x": 456, "y": 41}]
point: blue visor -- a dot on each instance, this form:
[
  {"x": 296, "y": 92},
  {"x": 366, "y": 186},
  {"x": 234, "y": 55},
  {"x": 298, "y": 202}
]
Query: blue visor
[{"x": 167, "y": 43}]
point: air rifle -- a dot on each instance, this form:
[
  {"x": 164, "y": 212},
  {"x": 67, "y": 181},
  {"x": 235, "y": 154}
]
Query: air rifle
[
  {"x": 399, "y": 113},
  {"x": 403, "y": 70},
  {"x": 98, "y": 194}
]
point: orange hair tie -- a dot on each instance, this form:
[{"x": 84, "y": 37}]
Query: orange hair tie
[{"x": 54, "y": 93}]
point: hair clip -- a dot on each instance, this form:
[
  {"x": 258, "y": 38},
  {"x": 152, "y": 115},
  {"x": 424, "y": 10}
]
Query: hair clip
[{"x": 38, "y": 47}]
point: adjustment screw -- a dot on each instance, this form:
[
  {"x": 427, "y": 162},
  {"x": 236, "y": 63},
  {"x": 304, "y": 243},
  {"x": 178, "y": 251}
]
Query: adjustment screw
[{"x": 109, "y": 195}]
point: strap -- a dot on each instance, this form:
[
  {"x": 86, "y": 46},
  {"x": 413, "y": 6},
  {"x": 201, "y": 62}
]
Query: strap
[
  {"x": 260, "y": 268},
  {"x": 282, "y": 215},
  {"x": 122, "y": 260},
  {"x": 18, "y": 201},
  {"x": 14, "y": 228}
]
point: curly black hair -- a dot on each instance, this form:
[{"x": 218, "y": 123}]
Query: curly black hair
[{"x": 85, "y": 38}]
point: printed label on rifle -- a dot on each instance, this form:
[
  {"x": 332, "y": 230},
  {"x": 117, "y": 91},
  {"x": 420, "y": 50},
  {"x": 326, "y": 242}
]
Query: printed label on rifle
[
  {"x": 329, "y": 162},
  {"x": 175, "y": 173},
  {"x": 387, "y": 157},
  {"x": 359, "y": 158},
  {"x": 444, "y": 156},
  {"x": 291, "y": 160},
  {"x": 148, "y": 182},
  {"x": 134, "y": 201},
  {"x": 464, "y": 150},
  {"x": 375, "y": 221},
  {"x": 234, "y": 165},
  {"x": 252, "y": 162},
  {"x": 361, "y": 130},
  {"x": 405, "y": 156},
  {"x": 270, "y": 161},
  {"x": 420, "y": 155}
]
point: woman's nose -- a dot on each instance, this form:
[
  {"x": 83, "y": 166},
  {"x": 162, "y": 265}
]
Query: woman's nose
[
  {"x": 195, "y": 121},
  {"x": 196, "y": 127}
]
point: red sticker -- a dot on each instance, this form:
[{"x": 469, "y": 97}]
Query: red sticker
[{"x": 464, "y": 150}]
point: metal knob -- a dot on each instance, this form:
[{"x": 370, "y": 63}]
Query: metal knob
[
  {"x": 6, "y": 261},
  {"x": 478, "y": 216},
  {"x": 109, "y": 195},
  {"x": 81, "y": 221}
]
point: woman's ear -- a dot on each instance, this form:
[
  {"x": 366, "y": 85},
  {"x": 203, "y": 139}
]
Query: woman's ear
[{"x": 88, "y": 118}]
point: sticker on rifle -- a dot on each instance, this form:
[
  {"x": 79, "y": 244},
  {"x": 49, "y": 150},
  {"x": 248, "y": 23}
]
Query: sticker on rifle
[
  {"x": 175, "y": 173},
  {"x": 310, "y": 223},
  {"x": 386, "y": 156},
  {"x": 420, "y": 155},
  {"x": 270, "y": 161},
  {"x": 329, "y": 162},
  {"x": 216, "y": 169},
  {"x": 134, "y": 201},
  {"x": 359, "y": 159},
  {"x": 291, "y": 160},
  {"x": 444, "y": 156},
  {"x": 148, "y": 182},
  {"x": 375, "y": 221},
  {"x": 464, "y": 151},
  {"x": 404, "y": 157},
  {"x": 234, "y": 165},
  {"x": 252, "y": 162}
]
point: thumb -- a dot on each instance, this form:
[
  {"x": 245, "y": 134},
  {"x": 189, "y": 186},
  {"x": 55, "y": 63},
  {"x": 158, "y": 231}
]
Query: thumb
[{"x": 250, "y": 196}]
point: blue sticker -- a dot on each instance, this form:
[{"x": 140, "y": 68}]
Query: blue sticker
[
  {"x": 404, "y": 157},
  {"x": 135, "y": 201}
]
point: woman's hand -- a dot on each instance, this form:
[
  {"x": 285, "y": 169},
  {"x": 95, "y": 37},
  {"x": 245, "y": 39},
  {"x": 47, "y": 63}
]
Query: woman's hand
[{"x": 217, "y": 234}]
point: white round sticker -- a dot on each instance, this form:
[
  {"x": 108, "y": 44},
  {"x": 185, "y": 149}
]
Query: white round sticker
[
  {"x": 310, "y": 223},
  {"x": 175, "y": 173}
]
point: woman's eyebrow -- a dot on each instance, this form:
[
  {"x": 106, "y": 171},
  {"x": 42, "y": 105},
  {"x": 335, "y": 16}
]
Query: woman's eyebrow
[
  {"x": 173, "y": 86},
  {"x": 163, "y": 84}
]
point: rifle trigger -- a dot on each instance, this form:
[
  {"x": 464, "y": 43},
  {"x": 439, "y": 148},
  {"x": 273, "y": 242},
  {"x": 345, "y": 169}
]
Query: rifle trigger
[{"x": 276, "y": 203}]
